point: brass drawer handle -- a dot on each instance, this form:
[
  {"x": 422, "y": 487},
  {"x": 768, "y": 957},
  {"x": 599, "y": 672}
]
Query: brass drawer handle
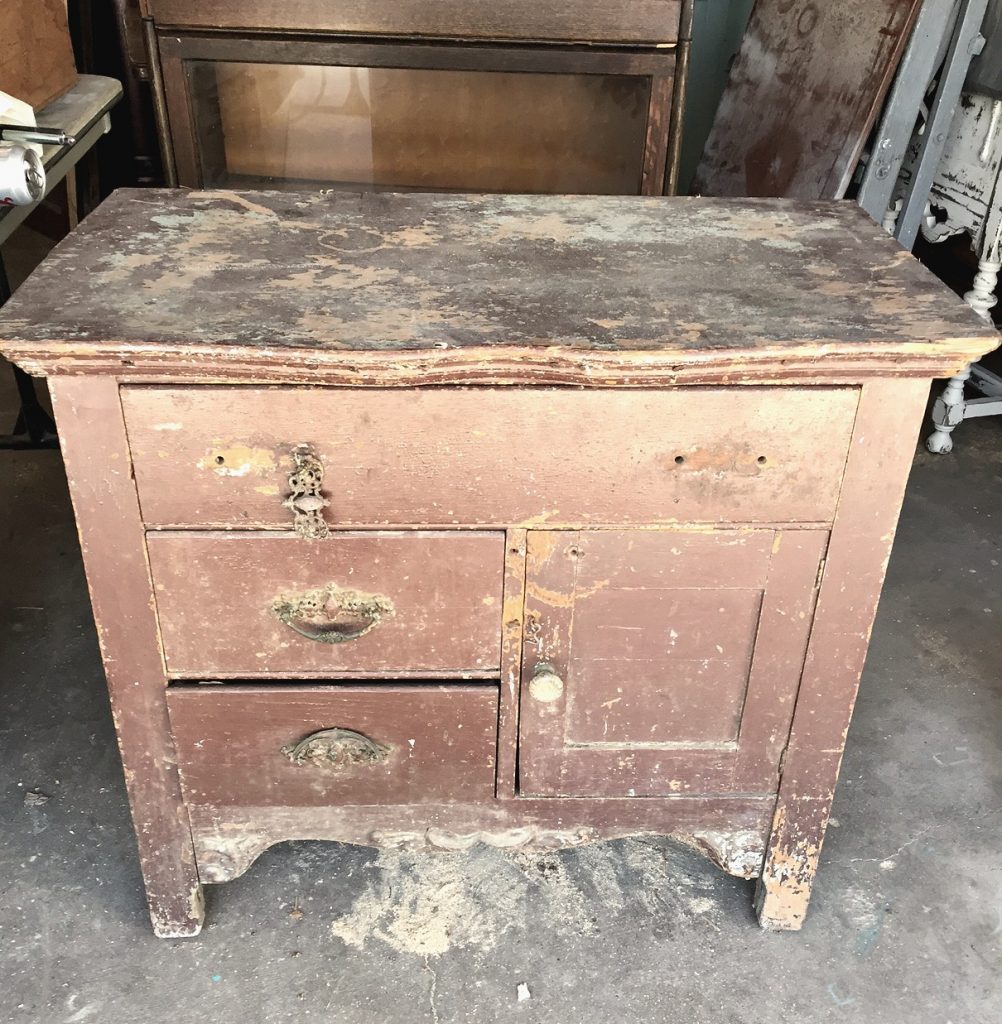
[
  {"x": 306, "y": 502},
  {"x": 332, "y": 615},
  {"x": 335, "y": 748}
]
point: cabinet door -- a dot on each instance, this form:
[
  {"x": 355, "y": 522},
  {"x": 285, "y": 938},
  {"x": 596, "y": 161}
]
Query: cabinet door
[{"x": 662, "y": 662}]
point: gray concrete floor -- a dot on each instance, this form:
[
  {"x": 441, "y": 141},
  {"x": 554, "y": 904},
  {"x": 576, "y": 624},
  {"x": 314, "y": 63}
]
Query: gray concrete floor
[{"x": 906, "y": 922}]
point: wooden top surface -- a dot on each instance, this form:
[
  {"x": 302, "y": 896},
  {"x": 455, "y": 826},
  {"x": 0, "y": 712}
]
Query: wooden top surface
[{"x": 282, "y": 285}]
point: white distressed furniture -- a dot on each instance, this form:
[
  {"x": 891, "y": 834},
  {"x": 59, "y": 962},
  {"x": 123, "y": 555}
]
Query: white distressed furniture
[{"x": 967, "y": 196}]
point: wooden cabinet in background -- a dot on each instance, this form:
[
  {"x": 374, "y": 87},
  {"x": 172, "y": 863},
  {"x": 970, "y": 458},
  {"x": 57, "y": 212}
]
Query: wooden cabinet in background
[
  {"x": 580, "y": 97},
  {"x": 434, "y": 520}
]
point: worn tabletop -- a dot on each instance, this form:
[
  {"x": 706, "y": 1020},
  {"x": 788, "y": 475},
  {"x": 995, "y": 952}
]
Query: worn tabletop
[{"x": 158, "y": 277}]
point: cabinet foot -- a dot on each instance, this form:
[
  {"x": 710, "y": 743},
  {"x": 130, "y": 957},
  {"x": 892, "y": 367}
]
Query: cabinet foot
[
  {"x": 178, "y": 917},
  {"x": 781, "y": 903}
]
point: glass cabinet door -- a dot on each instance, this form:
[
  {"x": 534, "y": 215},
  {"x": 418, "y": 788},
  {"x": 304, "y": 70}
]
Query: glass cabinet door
[{"x": 277, "y": 123}]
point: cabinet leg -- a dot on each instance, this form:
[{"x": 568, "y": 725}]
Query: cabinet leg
[
  {"x": 791, "y": 864},
  {"x": 947, "y": 414},
  {"x": 98, "y": 466},
  {"x": 981, "y": 298},
  {"x": 872, "y": 489}
]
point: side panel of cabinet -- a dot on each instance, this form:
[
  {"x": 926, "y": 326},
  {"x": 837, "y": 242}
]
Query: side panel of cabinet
[{"x": 661, "y": 662}]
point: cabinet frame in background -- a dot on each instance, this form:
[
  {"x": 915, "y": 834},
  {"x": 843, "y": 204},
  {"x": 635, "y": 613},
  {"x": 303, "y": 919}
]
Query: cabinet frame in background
[{"x": 663, "y": 67}]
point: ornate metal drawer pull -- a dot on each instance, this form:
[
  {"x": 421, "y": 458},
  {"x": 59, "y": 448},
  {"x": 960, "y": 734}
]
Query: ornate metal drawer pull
[
  {"x": 332, "y": 615},
  {"x": 335, "y": 748},
  {"x": 306, "y": 501}
]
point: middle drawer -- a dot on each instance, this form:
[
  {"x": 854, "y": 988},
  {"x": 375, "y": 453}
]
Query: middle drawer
[{"x": 402, "y": 604}]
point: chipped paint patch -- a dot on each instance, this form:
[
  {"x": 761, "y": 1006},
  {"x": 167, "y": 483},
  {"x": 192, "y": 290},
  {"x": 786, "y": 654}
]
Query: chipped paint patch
[{"x": 239, "y": 460}]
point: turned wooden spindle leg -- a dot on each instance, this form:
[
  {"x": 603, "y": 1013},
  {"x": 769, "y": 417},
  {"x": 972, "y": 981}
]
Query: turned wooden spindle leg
[
  {"x": 880, "y": 456},
  {"x": 948, "y": 412},
  {"x": 98, "y": 467},
  {"x": 982, "y": 298}
]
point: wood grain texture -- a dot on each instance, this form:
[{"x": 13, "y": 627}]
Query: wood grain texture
[
  {"x": 634, "y": 21},
  {"x": 880, "y": 458},
  {"x": 96, "y": 455},
  {"x": 221, "y": 457},
  {"x": 596, "y": 288},
  {"x": 802, "y": 96},
  {"x": 680, "y": 655},
  {"x": 216, "y": 596},
  {"x": 228, "y": 839},
  {"x": 438, "y": 744}
]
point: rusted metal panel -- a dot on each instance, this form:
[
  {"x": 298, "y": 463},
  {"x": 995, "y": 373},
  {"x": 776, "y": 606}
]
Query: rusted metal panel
[
  {"x": 634, "y": 21},
  {"x": 676, "y": 658},
  {"x": 803, "y": 94},
  {"x": 221, "y": 457},
  {"x": 426, "y": 289},
  {"x": 371, "y": 603},
  {"x": 322, "y": 746},
  {"x": 96, "y": 455}
]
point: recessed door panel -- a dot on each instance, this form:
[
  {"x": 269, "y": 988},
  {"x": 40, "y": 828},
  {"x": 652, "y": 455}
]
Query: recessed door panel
[{"x": 661, "y": 662}]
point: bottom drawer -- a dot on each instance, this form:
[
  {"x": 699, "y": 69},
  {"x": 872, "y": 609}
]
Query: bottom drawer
[{"x": 296, "y": 746}]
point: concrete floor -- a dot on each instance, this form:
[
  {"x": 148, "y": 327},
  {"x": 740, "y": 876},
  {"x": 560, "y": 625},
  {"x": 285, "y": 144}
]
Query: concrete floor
[{"x": 906, "y": 922}]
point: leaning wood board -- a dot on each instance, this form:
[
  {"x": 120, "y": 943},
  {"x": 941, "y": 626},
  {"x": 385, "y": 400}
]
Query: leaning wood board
[
  {"x": 429, "y": 521},
  {"x": 803, "y": 94}
]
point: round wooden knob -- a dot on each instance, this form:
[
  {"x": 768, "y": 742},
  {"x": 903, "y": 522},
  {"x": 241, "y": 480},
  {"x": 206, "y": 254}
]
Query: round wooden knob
[{"x": 545, "y": 685}]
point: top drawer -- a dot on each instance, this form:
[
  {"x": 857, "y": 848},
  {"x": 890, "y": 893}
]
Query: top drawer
[
  {"x": 635, "y": 21},
  {"x": 221, "y": 456}
]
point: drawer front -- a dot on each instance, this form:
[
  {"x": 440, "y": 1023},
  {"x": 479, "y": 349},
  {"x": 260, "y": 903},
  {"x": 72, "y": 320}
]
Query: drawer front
[
  {"x": 249, "y": 605},
  {"x": 638, "y": 21},
  {"x": 216, "y": 456},
  {"x": 299, "y": 746}
]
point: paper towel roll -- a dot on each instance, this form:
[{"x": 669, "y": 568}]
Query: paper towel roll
[{"x": 22, "y": 176}]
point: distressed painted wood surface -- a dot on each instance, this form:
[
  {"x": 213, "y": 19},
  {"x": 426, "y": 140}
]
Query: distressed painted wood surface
[
  {"x": 433, "y": 744},
  {"x": 679, "y": 653},
  {"x": 880, "y": 459},
  {"x": 370, "y": 288},
  {"x": 631, "y": 21},
  {"x": 217, "y": 596},
  {"x": 731, "y": 832},
  {"x": 802, "y": 96},
  {"x": 222, "y": 456},
  {"x": 96, "y": 454}
]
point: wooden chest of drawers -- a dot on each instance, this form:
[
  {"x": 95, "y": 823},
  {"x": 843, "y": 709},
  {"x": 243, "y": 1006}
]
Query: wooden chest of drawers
[{"x": 436, "y": 520}]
